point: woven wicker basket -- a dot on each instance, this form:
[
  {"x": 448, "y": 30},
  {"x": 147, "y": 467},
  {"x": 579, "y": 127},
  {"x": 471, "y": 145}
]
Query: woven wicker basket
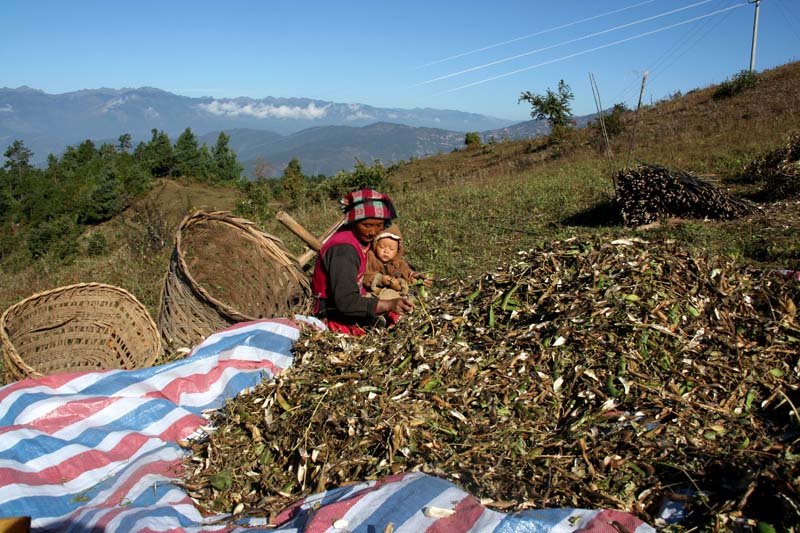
[
  {"x": 88, "y": 326},
  {"x": 224, "y": 270}
]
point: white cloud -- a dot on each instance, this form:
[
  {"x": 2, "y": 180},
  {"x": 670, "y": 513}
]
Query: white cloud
[
  {"x": 6, "y": 109},
  {"x": 257, "y": 110},
  {"x": 151, "y": 113},
  {"x": 360, "y": 115}
]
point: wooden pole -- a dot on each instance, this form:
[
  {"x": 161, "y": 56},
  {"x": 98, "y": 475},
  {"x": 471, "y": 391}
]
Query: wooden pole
[
  {"x": 285, "y": 219},
  {"x": 313, "y": 243}
]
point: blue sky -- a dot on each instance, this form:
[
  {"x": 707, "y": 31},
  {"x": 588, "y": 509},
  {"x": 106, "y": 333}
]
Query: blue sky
[{"x": 474, "y": 56}]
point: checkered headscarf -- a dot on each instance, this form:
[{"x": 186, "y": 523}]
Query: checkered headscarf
[{"x": 368, "y": 203}]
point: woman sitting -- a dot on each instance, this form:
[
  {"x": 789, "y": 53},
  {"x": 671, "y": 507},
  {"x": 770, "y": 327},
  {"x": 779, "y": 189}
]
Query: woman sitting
[{"x": 341, "y": 300}]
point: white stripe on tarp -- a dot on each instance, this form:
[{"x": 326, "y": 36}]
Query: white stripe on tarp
[{"x": 85, "y": 481}]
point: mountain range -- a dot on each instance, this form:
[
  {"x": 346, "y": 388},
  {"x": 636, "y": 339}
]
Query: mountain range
[{"x": 324, "y": 136}]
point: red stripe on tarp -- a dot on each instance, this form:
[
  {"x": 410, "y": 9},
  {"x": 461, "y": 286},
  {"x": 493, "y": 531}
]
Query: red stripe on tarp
[
  {"x": 69, "y": 413},
  {"x": 193, "y": 384},
  {"x": 605, "y": 522},
  {"x": 74, "y": 465},
  {"x": 467, "y": 512},
  {"x": 182, "y": 428}
]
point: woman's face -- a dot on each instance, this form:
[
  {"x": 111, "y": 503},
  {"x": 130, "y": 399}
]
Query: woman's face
[{"x": 366, "y": 230}]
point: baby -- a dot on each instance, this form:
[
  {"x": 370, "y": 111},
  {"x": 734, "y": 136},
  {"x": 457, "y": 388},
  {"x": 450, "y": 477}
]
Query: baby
[{"x": 387, "y": 274}]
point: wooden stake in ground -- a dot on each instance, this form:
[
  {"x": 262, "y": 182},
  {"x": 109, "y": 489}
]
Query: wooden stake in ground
[{"x": 635, "y": 119}]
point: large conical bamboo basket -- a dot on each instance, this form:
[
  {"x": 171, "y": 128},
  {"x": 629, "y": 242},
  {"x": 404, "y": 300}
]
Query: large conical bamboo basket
[{"x": 224, "y": 270}]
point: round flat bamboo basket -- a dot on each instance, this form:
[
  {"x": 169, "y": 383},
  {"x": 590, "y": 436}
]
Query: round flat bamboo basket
[
  {"x": 87, "y": 326},
  {"x": 224, "y": 270}
]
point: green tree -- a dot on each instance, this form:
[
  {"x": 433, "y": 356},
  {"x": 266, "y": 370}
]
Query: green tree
[
  {"x": 188, "y": 160},
  {"x": 226, "y": 166},
  {"x": 293, "y": 182},
  {"x": 133, "y": 179},
  {"x": 6, "y": 202},
  {"x": 103, "y": 202},
  {"x": 124, "y": 142},
  {"x": 256, "y": 203},
  {"x": 552, "y": 107},
  {"x": 157, "y": 155},
  {"x": 18, "y": 165},
  {"x": 360, "y": 177},
  {"x": 40, "y": 199}
]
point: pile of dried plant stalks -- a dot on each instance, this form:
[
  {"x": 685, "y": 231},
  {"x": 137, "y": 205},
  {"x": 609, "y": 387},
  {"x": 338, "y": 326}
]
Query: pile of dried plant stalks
[
  {"x": 648, "y": 193},
  {"x": 779, "y": 170},
  {"x": 586, "y": 374}
]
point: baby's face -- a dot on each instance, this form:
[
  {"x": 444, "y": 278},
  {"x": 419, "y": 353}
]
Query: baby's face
[{"x": 386, "y": 249}]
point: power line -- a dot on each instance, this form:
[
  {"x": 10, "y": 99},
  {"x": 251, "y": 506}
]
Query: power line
[
  {"x": 677, "y": 50},
  {"x": 789, "y": 15},
  {"x": 561, "y": 27},
  {"x": 570, "y": 41},
  {"x": 583, "y": 52}
]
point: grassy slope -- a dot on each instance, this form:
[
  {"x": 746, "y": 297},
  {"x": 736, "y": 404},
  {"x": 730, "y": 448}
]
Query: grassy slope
[
  {"x": 124, "y": 266},
  {"x": 463, "y": 212}
]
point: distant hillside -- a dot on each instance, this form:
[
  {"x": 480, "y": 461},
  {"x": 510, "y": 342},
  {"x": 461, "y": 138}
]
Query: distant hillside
[
  {"x": 48, "y": 123},
  {"x": 327, "y": 150}
]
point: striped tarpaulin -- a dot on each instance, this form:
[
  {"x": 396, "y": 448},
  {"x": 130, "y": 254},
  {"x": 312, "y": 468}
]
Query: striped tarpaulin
[{"x": 99, "y": 451}]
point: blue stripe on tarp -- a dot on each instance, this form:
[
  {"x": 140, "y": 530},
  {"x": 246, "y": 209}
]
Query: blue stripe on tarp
[
  {"x": 405, "y": 503},
  {"x": 256, "y": 338},
  {"x": 533, "y": 521},
  {"x": 135, "y": 420}
]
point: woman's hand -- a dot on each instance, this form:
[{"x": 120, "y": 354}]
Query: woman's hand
[{"x": 395, "y": 305}]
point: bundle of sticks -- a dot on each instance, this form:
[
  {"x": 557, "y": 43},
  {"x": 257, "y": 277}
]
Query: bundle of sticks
[{"x": 650, "y": 192}]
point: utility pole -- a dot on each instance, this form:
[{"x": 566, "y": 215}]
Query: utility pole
[{"x": 755, "y": 35}]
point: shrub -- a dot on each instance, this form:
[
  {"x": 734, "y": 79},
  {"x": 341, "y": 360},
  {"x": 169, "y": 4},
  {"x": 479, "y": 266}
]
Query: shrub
[
  {"x": 362, "y": 176},
  {"x": 613, "y": 123},
  {"x": 57, "y": 237},
  {"x": 150, "y": 231},
  {"x": 472, "y": 139},
  {"x": 8, "y": 239},
  {"x": 256, "y": 203},
  {"x": 740, "y": 82},
  {"x": 96, "y": 244}
]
